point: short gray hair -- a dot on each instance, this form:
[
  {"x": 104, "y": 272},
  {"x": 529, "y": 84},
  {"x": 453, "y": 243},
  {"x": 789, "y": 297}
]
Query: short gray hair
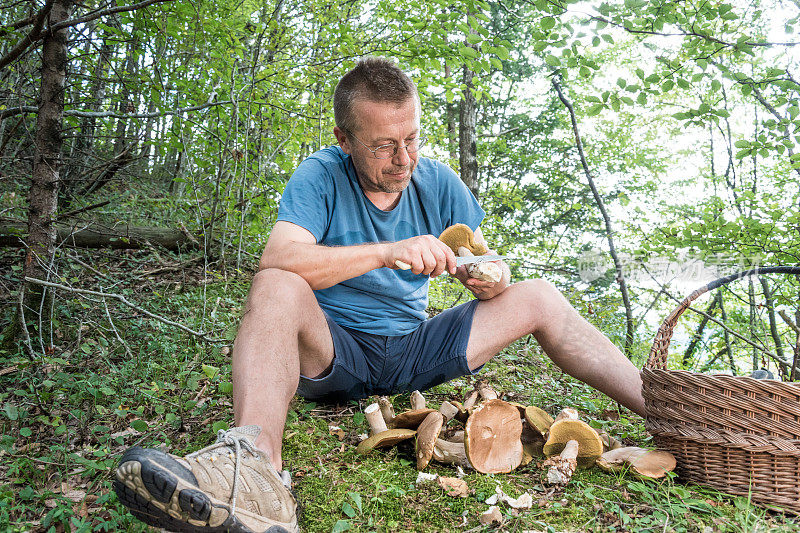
[{"x": 375, "y": 79}]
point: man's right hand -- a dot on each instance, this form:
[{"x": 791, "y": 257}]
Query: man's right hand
[{"x": 426, "y": 255}]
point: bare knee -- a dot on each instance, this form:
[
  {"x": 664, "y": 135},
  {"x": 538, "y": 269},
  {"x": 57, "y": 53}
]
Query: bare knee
[{"x": 274, "y": 288}]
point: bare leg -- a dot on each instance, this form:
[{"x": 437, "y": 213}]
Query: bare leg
[
  {"x": 536, "y": 307},
  {"x": 283, "y": 333}
]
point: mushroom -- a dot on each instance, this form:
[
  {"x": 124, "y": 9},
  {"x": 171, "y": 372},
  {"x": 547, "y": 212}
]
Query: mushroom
[
  {"x": 539, "y": 419},
  {"x": 429, "y": 445},
  {"x": 492, "y": 437},
  {"x": 459, "y": 235},
  {"x": 417, "y": 400},
  {"x": 470, "y": 399},
  {"x": 651, "y": 464},
  {"x": 461, "y": 239},
  {"x": 486, "y": 392},
  {"x": 411, "y": 419},
  {"x": 427, "y": 433},
  {"x": 609, "y": 442},
  {"x": 576, "y": 442},
  {"x": 484, "y": 271},
  {"x": 382, "y": 437},
  {"x": 386, "y": 409},
  {"x": 449, "y": 452}
]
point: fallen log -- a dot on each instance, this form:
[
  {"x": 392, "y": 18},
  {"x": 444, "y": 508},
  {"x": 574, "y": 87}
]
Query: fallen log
[{"x": 98, "y": 235}]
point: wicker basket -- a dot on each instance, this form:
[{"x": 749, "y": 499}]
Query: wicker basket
[{"x": 736, "y": 434}]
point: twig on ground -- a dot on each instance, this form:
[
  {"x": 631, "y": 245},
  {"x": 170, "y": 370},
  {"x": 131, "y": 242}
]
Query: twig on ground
[{"x": 124, "y": 301}]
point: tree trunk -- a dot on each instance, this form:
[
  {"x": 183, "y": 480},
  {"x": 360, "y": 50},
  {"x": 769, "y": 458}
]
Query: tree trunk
[
  {"x": 773, "y": 323},
  {"x": 467, "y": 146},
  {"x": 43, "y": 193}
]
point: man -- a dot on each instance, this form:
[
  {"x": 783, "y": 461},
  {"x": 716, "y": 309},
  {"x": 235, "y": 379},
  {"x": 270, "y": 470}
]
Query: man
[{"x": 331, "y": 316}]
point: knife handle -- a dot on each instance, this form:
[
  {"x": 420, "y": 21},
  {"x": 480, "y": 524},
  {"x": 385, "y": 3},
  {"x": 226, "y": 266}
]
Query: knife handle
[{"x": 402, "y": 265}]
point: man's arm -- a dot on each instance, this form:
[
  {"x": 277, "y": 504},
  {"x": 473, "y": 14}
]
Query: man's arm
[
  {"x": 484, "y": 290},
  {"x": 293, "y": 248}
]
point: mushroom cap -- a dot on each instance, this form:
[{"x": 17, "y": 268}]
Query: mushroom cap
[
  {"x": 384, "y": 439},
  {"x": 648, "y": 463},
  {"x": 427, "y": 433},
  {"x": 538, "y": 419},
  {"x": 461, "y": 235},
  {"x": 590, "y": 446},
  {"x": 462, "y": 414},
  {"x": 492, "y": 437},
  {"x": 411, "y": 419}
]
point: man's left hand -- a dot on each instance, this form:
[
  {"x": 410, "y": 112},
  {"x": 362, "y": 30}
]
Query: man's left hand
[{"x": 484, "y": 290}]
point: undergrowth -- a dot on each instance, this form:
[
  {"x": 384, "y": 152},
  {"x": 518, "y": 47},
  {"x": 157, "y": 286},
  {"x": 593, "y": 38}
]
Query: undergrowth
[{"x": 113, "y": 378}]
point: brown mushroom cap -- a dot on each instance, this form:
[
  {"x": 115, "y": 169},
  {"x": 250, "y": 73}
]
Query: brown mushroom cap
[
  {"x": 461, "y": 235},
  {"x": 590, "y": 447},
  {"x": 492, "y": 437},
  {"x": 427, "y": 433},
  {"x": 384, "y": 439},
  {"x": 411, "y": 419},
  {"x": 538, "y": 419},
  {"x": 652, "y": 464}
]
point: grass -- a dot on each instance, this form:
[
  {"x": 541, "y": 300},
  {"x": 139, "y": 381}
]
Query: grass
[{"x": 66, "y": 416}]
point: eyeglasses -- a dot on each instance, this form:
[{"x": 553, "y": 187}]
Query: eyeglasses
[{"x": 385, "y": 151}]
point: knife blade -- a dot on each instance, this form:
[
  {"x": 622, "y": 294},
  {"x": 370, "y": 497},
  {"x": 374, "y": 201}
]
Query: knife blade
[
  {"x": 461, "y": 261},
  {"x": 473, "y": 259}
]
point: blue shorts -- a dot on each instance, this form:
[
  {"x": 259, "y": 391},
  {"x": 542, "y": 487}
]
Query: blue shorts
[{"x": 365, "y": 364}]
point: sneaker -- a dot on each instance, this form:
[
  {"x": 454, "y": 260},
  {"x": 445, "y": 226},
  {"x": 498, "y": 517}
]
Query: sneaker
[{"x": 228, "y": 486}]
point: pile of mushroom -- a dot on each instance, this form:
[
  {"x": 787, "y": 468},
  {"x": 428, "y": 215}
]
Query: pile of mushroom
[{"x": 499, "y": 436}]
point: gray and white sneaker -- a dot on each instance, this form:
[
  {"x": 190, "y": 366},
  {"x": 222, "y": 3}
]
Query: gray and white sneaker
[{"x": 228, "y": 486}]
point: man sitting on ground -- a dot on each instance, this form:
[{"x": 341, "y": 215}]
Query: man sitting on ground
[{"x": 330, "y": 316}]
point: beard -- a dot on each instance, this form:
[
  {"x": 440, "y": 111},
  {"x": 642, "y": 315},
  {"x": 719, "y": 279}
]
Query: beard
[{"x": 385, "y": 183}]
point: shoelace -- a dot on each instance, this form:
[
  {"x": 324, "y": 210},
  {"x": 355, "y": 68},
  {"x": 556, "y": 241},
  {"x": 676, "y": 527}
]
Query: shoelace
[{"x": 237, "y": 442}]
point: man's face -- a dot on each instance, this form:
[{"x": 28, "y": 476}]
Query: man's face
[{"x": 379, "y": 124}]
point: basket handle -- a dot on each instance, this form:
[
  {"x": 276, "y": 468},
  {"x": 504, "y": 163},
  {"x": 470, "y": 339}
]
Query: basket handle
[{"x": 658, "y": 353}]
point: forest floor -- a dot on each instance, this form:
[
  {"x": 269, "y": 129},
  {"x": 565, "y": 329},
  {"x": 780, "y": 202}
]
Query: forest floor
[{"x": 115, "y": 378}]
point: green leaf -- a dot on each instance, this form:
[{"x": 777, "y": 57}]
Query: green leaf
[
  {"x": 595, "y": 110},
  {"x": 667, "y": 86},
  {"x": 348, "y": 510},
  {"x": 219, "y": 425},
  {"x": 139, "y": 425},
  {"x": 210, "y": 371},
  {"x": 742, "y": 144},
  {"x": 552, "y": 61},
  {"x": 11, "y": 411},
  {"x": 340, "y": 525},
  {"x": 468, "y": 52},
  {"x": 502, "y": 52},
  {"x": 548, "y": 23},
  {"x": 25, "y": 432},
  {"x": 356, "y": 497}
]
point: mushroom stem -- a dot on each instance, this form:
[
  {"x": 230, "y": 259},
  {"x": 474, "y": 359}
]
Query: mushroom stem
[
  {"x": 486, "y": 392},
  {"x": 386, "y": 409},
  {"x": 448, "y": 411},
  {"x": 567, "y": 414},
  {"x": 470, "y": 400},
  {"x": 451, "y": 453},
  {"x": 417, "y": 400},
  {"x": 562, "y": 467},
  {"x": 375, "y": 419}
]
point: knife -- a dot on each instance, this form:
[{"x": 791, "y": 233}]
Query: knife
[{"x": 461, "y": 261}]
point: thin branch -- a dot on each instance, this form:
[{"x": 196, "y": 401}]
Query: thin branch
[
  {"x": 98, "y": 14},
  {"x": 620, "y": 278},
  {"x": 111, "y": 114},
  {"x": 690, "y": 34},
  {"x": 38, "y": 32},
  {"x": 124, "y": 301},
  {"x": 786, "y": 318},
  {"x": 33, "y": 36}
]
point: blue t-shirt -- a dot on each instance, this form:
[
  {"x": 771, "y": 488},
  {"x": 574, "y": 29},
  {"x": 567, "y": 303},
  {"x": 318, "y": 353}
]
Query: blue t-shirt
[{"x": 324, "y": 197}]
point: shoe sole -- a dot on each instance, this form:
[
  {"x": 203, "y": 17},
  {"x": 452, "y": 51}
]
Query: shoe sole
[{"x": 161, "y": 492}]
